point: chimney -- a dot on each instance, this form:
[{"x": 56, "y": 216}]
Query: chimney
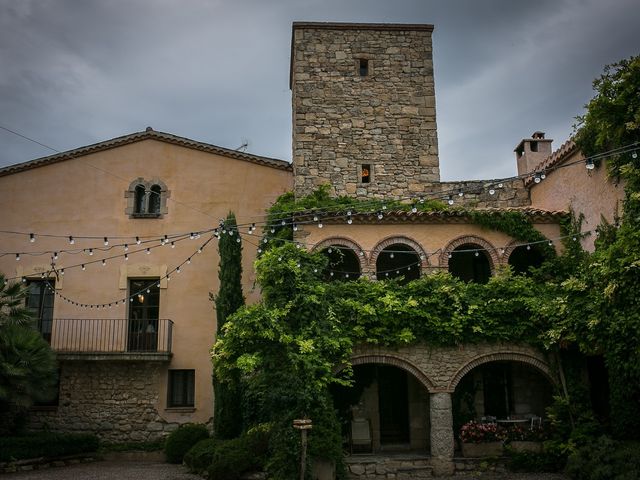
[{"x": 530, "y": 152}]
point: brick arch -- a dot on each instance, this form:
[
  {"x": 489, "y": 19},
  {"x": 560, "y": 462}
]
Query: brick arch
[
  {"x": 424, "y": 258},
  {"x": 348, "y": 243},
  {"x": 491, "y": 251},
  {"x": 394, "y": 361},
  {"x": 536, "y": 363},
  {"x": 508, "y": 250}
]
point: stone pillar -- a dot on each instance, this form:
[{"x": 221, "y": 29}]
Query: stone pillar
[{"x": 441, "y": 434}]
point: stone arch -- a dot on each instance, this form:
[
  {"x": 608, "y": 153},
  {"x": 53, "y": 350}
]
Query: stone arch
[
  {"x": 394, "y": 361},
  {"x": 348, "y": 243},
  {"x": 470, "y": 239},
  {"x": 130, "y": 196},
  {"x": 388, "y": 241},
  {"x": 531, "y": 360}
]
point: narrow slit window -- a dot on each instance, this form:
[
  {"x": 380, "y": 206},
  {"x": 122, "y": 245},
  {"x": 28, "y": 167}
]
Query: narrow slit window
[
  {"x": 364, "y": 67},
  {"x": 365, "y": 173}
]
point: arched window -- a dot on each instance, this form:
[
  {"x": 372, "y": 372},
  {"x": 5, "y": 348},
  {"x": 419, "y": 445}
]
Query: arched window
[
  {"x": 398, "y": 260},
  {"x": 146, "y": 198},
  {"x": 155, "y": 196},
  {"x": 470, "y": 263},
  {"x": 140, "y": 199},
  {"x": 343, "y": 263},
  {"x": 523, "y": 258}
]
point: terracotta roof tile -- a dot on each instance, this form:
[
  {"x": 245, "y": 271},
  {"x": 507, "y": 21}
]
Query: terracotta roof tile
[{"x": 137, "y": 137}]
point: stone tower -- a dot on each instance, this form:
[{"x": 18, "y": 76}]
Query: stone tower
[{"x": 364, "y": 117}]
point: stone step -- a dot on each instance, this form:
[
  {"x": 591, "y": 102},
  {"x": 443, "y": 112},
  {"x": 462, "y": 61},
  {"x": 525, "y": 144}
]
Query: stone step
[{"x": 401, "y": 467}]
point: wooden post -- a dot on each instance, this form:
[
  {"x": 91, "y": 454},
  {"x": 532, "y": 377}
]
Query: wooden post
[{"x": 303, "y": 425}]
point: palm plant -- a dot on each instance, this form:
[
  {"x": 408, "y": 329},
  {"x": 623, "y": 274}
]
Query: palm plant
[{"x": 28, "y": 370}]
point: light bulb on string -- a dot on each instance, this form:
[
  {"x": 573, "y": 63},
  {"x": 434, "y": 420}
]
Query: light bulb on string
[
  {"x": 528, "y": 247},
  {"x": 543, "y": 176},
  {"x": 126, "y": 257},
  {"x": 634, "y": 155},
  {"x": 148, "y": 251},
  {"x": 550, "y": 243},
  {"x": 295, "y": 227},
  {"x": 265, "y": 240},
  {"x": 259, "y": 250},
  {"x": 166, "y": 239},
  {"x": 450, "y": 200},
  {"x": 460, "y": 193},
  {"x": 231, "y": 232},
  {"x": 492, "y": 191},
  {"x": 192, "y": 236},
  {"x": 17, "y": 257},
  {"x": 283, "y": 223},
  {"x": 83, "y": 267},
  {"x": 178, "y": 270},
  {"x": 199, "y": 250},
  {"x": 104, "y": 262},
  {"x": 536, "y": 178},
  {"x": 477, "y": 254},
  {"x": 71, "y": 240},
  {"x": 55, "y": 255},
  {"x": 91, "y": 251},
  {"x": 238, "y": 240},
  {"x": 173, "y": 244},
  {"x": 272, "y": 230},
  {"x": 315, "y": 218},
  {"x": 189, "y": 260},
  {"x": 106, "y": 242},
  {"x": 414, "y": 209},
  {"x": 126, "y": 247},
  {"x": 320, "y": 225},
  {"x": 138, "y": 242},
  {"x": 391, "y": 255},
  {"x": 349, "y": 220},
  {"x": 380, "y": 215},
  {"x": 590, "y": 164},
  {"x": 32, "y": 237}
]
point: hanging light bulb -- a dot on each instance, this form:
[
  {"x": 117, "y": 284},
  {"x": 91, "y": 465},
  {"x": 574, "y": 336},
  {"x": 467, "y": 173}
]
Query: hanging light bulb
[
  {"x": 536, "y": 178},
  {"x": 346, "y": 275},
  {"x": 238, "y": 240},
  {"x": 265, "y": 240},
  {"x": 138, "y": 242},
  {"x": 477, "y": 254},
  {"x": 295, "y": 227},
  {"x": 589, "y": 164},
  {"x": 349, "y": 220},
  {"x": 104, "y": 262},
  {"x": 148, "y": 251},
  {"x": 315, "y": 270},
  {"x": 55, "y": 255},
  {"x": 91, "y": 251},
  {"x": 231, "y": 232},
  {"x": 71, "y": 240},
  {"x": 450, "y": 200},
  {"x": 189, "y": 260},
  {"x": 17, "y": 257},
  {"x": 391, "y": 255},
  {"x": 83, "y": 267},
  {"x": 126, "y": 247},
  {"x": 192, "y": 236},
  {"x": 492, "y": 191},
  {"x": 320, "y": 225},
  {"x": 272, "y": 230},
  {"x": 126, "y": 257},
  {"x": 361, "y": 253},
  {"x": 331, "y": 273},
  {"x": 173, "y": 244},
  {"x": 550, "y": 243},
  {"x": 634, "y": 155},
  {"x": 449, "y": 255},
  {"x": 421, "y": 200},
  {"x": 259, "y": 250},
  {"x": 528, "y": 247},
  {"x": 414, "y": 209},
  {"x": 330, "y": 250},
  {"x": 106, "y": 241},
  {"x": 283, "y": 223},
  {"x": 315, "y": 218},
  {"x": 32, "y": 237},
  {"x": 199, "y": 250},
  {"x": 62, "y": 271},
  {"x": 460, "y": 193},
  {"x": 380, "y": 215},
  {"x": 543, "y": 176}
]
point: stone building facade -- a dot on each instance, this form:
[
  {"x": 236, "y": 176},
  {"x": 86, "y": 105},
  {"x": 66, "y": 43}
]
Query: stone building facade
[
  {"x": 364, "y": 115},
  {"x": 364, "y": 122}
]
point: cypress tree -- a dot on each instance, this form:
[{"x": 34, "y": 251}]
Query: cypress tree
[{"x": 227, "y": 408}]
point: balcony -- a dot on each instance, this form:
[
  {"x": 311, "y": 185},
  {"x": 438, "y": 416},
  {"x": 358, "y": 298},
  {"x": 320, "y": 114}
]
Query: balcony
[{"x": 109, "y": 339}]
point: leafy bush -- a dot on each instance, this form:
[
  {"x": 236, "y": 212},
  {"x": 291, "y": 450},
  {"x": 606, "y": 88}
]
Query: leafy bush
[
  {"x": 547, "y": 461},
  {"x": 46, "y": 445},
  {"x": 201, "y": 454},
  {"x": 527, "y": 434},
  {"x": 605, "y": 459},
  {"x": 180, "y": 441},
  {"x": 231, "y": 458}
]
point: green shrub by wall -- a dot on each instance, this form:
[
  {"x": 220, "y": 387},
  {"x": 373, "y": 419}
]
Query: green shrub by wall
[
  {"x": 180, "y": 441},
  {"x": 46, "y": 445}
]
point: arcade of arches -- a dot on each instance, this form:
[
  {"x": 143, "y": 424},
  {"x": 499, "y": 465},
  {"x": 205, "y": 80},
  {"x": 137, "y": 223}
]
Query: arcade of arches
[
  {"x": 471, "y": 259},
  {"x": 408, "y": 395}
]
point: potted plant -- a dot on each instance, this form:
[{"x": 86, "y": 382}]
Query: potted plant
[
  {"x": 481, "y": 439},
  {"x": 525, "y": 439}
]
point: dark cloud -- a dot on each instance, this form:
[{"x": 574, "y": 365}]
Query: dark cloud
[{"x": 73, "y": 73}]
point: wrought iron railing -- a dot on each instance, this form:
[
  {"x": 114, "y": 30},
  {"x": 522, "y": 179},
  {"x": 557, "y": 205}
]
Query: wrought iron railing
[{"x": 110, "y": 335}]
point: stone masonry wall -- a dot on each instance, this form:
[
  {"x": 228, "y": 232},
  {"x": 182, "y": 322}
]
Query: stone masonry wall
[
  {"x": 115, "y": 400},
  {"x": 342, "y": 120}
]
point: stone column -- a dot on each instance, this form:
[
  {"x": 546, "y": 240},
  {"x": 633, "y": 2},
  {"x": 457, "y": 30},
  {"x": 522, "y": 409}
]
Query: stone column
[{"x": 441, "y": 434}]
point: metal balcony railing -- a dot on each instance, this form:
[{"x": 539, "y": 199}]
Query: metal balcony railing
[{"x": 109, "y": 335}]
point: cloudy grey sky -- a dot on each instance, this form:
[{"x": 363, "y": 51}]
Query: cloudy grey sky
[{"x": 76, "y": 72}]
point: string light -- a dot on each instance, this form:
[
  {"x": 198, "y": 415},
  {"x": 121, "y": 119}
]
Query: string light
[
  {"x": 83, "y": 267},
  {"x": 71, "y": 240},
  {"x": 126, "y": 257},
  {"x": 106, "y": 242},
  {"x": 148, "y": 251},
  {"x": 590, "y": 164},
  {"x": 55, "y": 255},
  {"x": 450, "y": 200},
  {"x": 91, "y": 251},
  {"x": 126, "y": 247},
  {"x": 17, "y": 257},
  {"x": 104, "y": 263},
  {"x": 138, "y": 242},
  {"x": 32, "y": 237}
]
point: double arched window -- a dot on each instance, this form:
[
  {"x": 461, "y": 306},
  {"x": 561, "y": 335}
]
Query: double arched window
[{"x": 146, "y": 199}]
